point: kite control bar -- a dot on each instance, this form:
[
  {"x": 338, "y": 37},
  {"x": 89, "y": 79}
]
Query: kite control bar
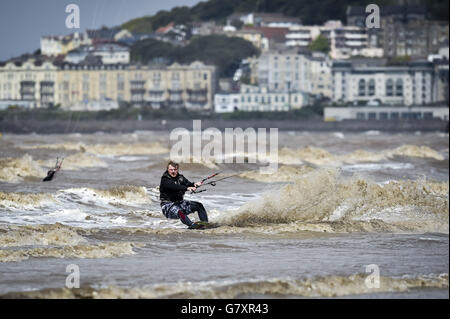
[{"x": 212, "y": 183}]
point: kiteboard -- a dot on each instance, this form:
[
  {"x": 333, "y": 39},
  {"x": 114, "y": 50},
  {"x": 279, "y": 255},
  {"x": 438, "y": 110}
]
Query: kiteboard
[{"x": 204, "y": 225}]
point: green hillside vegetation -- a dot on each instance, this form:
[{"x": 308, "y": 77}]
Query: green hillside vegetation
[
  {"x": 320, "y": 44},
  {"x": 310, "y": 12},
  {"x": 224, "y": 52}
]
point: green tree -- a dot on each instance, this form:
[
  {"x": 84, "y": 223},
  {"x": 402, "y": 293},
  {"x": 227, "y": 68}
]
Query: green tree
[
  {"x": 320, "y": 44},
  {"x": 226, "y": 53}
]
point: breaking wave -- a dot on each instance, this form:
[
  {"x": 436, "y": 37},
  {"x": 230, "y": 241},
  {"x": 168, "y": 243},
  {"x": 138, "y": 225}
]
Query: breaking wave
[
  {"x": 15, "y": 170},
  {"x": 323, "y": 286},
  {"x": 106, "y": 149},
  {"x": 125, "y": 194},
  {"x": 283, "y": 174},
  {"x": 101, "y": 250},
  {"x": 324, "y": 199},
  {"x": 47, "y": 234},
  {"x": 77, "y": 161},
  {"x": 417, "y": 151},
  {"x": 26, "y": 201},
  {"x": 321, "y": 157},
  {"x": 18, "y": 243}
]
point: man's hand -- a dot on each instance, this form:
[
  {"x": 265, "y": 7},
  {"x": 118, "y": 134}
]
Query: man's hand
[
  {"x": 192, "y": 189},
  {"x": 198, "y": 184}
]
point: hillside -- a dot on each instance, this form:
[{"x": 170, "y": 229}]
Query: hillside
[
  {"x": 310, "y": 12},
  {"x": 224, "y": 52}
]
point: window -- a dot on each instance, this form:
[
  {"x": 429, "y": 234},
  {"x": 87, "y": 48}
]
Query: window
[
  {"x": 360, "y": 116},
  {"x": 383, "y": 115},
  {"x": 399, "y": 87},
  {"x": 395, "y": 115},
  {"x": 389, "y": 87},
  {"x": 362, "y": 87},
  {"x": 371, "y": 87},
  {"x": 372, "y": 116}
]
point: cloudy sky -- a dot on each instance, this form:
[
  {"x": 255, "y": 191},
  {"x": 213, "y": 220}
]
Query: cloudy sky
[{"x": 23, "y": 22}]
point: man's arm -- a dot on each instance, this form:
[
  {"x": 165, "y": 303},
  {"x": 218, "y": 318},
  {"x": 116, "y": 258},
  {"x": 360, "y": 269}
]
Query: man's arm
[
  {"x": 168, "y": 184},
  {"x": 187, "y": 182}
]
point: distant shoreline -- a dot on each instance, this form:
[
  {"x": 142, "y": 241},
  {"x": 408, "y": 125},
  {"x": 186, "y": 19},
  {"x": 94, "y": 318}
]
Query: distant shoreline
[{"x": 127, "y": 126}]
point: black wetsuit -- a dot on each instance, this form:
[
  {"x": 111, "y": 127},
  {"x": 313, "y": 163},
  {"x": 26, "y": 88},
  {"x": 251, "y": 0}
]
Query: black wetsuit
[
  {"x": 50, "y": 175},
  {"x": 173, "y": 205}
]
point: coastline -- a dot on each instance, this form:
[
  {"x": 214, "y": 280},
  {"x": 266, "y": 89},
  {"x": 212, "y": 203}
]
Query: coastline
[{"x": 126, "y": 126}]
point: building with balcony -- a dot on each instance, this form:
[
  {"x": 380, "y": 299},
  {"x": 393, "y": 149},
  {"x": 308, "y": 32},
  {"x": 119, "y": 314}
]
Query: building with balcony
[
  {"x": 344, "y": 41},
  {"x": 404, "y": 30},
  {"x": 291, "y": 70},
  {"x": 92, "y": 85},
  {"x": 386, "y": 113},
  {"x": 32, "y": 81},
  {"x": 110, "y": 53},
  {"x": 254, "y": 98},
  {"x": 62, "y": 44},
  {"x": 364, "y": 81}
]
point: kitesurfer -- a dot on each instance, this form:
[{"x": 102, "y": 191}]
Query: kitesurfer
[{"x": 172, "y": 188}]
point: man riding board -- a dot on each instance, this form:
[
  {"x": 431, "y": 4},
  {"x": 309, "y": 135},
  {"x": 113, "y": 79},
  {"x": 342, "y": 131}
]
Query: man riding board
[{"x": 172, "y": 188}]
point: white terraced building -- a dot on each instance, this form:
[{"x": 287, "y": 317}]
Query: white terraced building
[
  {"x": 110, "y": 53},
  {"x": 253, "y": 98},
  {"x": 385, "y": 113},
  {"x": 345, "y": 41},
  {"x": 283, "y": 71},
  {"x": 362, "y": 83}
]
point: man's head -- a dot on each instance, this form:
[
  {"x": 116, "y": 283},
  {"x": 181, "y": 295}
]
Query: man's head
[{"x": 172, "y": 168}]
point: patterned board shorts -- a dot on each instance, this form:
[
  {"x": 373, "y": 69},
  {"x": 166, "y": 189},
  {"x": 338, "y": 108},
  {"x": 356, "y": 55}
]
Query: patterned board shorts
[{"x": 170, "y": 210}]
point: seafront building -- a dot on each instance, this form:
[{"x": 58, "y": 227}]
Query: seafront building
[
  {"x": 366, "y": 81},
  {"x": 404, "y": 63},
  {"x": 110, "y": 53},
  {"x": 291, "y": 70},
  {"x": 404, "y": 30},
  {"x": 62, "y": 44},
  {"x": 255, "y": 98},
  {"x": 385, "y": 113},
  {"x": 44, "y": 83}
]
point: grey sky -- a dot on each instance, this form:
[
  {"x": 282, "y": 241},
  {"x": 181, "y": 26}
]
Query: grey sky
[{"x": 23, "y": 22}]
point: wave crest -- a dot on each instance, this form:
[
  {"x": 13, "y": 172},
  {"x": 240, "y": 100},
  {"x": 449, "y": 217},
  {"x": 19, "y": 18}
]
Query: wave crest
[
  {"x": 321, "y": 286},
  {"x": 322, "y": 196}
]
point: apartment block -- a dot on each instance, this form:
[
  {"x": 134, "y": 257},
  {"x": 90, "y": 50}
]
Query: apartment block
[
  {"x": 344, "y": 41},
  {"x": 110, "y": 53},
  {"x": 289, "y": 70},
  {"x": 62, "y": 44},
  {"x": 363, "y": 82},
  {"x": 32, "y": 82},
  {"x": 74, "y": 86},
  {"x": 255, "y": 98},
  {"x": 404, "y": 30}
]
